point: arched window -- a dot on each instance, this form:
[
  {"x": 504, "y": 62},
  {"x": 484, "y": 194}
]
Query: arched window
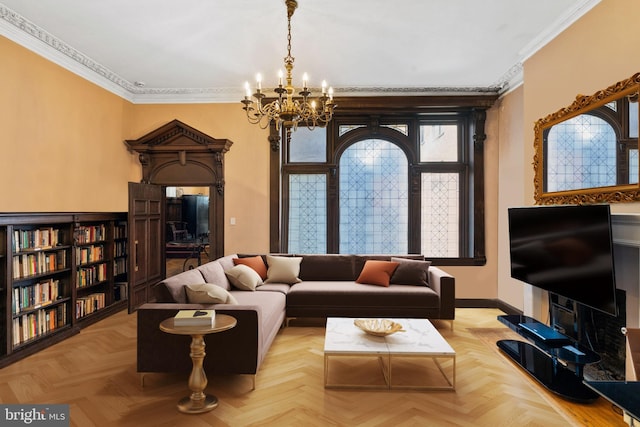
[
  {"x": 373, "y": 198},
  {"x": 380, "y": 181},
  {"x": 581, "y": 153}
]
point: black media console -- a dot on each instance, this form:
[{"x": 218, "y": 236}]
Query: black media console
[{"x": 548, "y": 357}]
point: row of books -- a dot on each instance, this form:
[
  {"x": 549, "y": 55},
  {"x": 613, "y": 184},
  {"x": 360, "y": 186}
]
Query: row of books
[
  {"x": 119, "y": 266},
  {"x": 91, "y": 233},
  {"x": 87, "y": 254},
  {"x": 26, "y": 265},
  {"x": 32, "y": 325},
  {"x": 35, "y": 296},
  {"x": 120, "y": 248},
  {"x": 87, "y": 276},
  {"x": 41, "y": 238},
  {"x": 120, "y": 232},
  {"x": 120, "y": 291},
  {"x": 89, "y": 304}
]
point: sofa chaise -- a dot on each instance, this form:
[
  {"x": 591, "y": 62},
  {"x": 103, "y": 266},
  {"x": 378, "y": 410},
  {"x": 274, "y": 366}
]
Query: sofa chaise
[{"x": 263, "y": 292}]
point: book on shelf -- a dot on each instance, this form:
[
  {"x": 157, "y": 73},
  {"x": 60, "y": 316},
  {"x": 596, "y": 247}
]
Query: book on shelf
[
  {"x": 120, "y": 291},
  {"x": 195, "y": 318}
]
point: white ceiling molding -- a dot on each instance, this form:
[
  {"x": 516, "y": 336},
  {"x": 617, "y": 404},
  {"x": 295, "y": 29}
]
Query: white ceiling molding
[
  {"x": 558, "y": 26},
  {"x": 29, "y": 35}
]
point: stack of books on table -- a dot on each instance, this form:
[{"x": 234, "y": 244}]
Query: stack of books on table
[{"x": 195, "y": 318}]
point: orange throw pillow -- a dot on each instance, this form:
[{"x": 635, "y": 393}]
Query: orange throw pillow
[
  {"x": 377, "y": 272},
  {"x": 255, "y": 262}
]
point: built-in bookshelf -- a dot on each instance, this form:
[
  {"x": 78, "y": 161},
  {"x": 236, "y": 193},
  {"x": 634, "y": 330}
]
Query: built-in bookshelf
[
  {"x": 40, "y": 286},
  {"x": 120, "y": 260},
  {"x": 92, "y": 267},
  {"x": 57, "y": 274}
]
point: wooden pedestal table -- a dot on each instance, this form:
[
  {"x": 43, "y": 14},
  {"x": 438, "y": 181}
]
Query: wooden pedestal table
[{"x": 198, "y": 401}]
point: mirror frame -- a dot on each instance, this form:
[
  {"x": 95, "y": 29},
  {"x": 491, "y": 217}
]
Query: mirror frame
[{"x": 582, "y": 104}]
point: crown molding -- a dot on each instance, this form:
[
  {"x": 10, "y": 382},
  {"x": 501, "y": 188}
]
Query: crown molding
[
  {"x": 27, "y": 34},
  {"x": 558, "y": 26}
]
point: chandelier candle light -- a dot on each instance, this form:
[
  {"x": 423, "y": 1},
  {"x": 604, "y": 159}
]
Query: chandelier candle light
[{"x": 287, "y": 111}]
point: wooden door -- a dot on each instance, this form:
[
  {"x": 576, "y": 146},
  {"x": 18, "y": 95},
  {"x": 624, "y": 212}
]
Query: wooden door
[{"x": 146, "y": 242}]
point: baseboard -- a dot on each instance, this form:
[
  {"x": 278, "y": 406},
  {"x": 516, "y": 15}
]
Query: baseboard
[{"x": 486, "y": 303}]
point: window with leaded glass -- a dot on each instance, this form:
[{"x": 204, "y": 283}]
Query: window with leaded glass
[
  {"x": 581, "y": 153},
  {"x": 307, "y": 213},
  {"x": 373, "y": 198},
  {"x": 384, "y": 182},
  {"x": 440, "y": 219}
]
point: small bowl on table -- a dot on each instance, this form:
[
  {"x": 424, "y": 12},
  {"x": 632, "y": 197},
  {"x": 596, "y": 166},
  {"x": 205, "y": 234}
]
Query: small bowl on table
[{"x": 378, "y": 327}]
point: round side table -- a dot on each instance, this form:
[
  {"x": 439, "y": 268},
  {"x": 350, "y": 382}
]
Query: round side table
[{"x": 198, "y": 401}]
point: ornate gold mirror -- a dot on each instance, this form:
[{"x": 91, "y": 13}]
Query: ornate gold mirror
[{"x": 588, "y": 151}]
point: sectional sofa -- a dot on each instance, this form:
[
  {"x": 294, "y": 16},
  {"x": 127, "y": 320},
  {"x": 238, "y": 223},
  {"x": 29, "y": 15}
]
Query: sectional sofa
[{"x": 264, "y": 291}]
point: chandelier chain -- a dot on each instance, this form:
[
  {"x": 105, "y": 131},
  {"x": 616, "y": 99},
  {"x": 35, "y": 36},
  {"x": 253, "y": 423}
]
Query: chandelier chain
[{"x": 288, "y": 111}]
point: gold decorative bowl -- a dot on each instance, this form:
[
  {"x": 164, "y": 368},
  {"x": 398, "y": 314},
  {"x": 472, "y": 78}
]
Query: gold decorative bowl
[{"x": 378, "y": 327}]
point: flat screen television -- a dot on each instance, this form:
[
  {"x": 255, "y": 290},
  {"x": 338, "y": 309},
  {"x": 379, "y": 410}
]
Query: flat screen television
[{"x": 566, "y": 250}]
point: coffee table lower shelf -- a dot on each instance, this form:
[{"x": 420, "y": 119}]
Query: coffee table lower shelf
[{"x": 386, "y": 363}]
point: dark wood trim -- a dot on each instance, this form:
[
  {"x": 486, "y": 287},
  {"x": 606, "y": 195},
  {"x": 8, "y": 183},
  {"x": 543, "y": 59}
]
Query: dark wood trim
[
  {"x": 478, "y": 117},
  {"x": 275, "y": 221},
  {"x": 177, "y": 154},
  {"x": 411, "y": 104},
  {"x": 469, "y": 111},
  {"x": 486, "y": 303}
]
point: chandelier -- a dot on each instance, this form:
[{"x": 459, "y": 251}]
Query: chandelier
[{"x": 288, "y": 111}]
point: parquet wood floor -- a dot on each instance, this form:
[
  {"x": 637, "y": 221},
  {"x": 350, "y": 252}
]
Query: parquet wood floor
[{"x": 94, "y": 372}]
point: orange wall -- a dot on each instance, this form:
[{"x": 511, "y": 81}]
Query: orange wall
[
  {"x": 63, "y": 150},
  {"x": 62, "y": 146},
  {"x": 596, "y": 51},
  {"x": 511, "y": 175},
  {"x": 246, "y": 164}
]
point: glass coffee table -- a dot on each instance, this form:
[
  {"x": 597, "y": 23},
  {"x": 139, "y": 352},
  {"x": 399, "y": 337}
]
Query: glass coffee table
[{"x": 420, "y": 341}]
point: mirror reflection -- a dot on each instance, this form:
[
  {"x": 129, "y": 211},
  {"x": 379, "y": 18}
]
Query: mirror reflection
[
  {"x": 594, "y": 149},
  {"x": 588, "y": 152}
]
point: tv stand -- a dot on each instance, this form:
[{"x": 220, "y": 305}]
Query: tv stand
[
  {"x": 547, "y": 357},
  {"x": 544, "y": 333}
]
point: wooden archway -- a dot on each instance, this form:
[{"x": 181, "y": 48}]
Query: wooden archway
[{"x": 178, "y": 155}]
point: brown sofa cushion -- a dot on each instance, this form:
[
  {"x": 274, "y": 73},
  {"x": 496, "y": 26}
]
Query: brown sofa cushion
[
  {"x": 351, "y": 294},
  {"x": 327, "y": 267}
]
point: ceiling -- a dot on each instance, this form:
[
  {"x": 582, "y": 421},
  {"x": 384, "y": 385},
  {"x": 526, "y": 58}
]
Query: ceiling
[{"x": 160, "y": 51}]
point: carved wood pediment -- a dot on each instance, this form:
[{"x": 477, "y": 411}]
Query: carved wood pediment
[
  {"x": 177, "y": 136},
  {"x": 178, "y": 154}
]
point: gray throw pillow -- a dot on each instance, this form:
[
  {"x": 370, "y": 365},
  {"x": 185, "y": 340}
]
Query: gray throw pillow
[{"x": 411, "y": 272}]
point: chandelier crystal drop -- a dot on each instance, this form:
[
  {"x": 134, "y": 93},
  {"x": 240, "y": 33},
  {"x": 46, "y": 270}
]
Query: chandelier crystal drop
[{"x": 288, "y": 111}]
